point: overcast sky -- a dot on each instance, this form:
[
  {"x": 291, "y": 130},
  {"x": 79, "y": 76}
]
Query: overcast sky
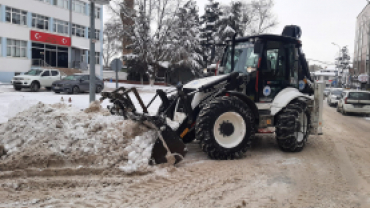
[{"x": 322, "y": 22}]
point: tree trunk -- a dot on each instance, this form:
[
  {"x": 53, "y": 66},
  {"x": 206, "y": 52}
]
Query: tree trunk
[{"x": 152, "y": 81}]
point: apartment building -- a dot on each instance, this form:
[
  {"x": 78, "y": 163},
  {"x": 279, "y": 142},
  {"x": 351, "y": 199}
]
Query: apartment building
[{"x": 48, "y": 33}]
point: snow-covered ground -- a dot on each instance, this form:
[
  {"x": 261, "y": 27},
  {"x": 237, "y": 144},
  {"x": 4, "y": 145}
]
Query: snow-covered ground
[{"x": 12, "y": 102}]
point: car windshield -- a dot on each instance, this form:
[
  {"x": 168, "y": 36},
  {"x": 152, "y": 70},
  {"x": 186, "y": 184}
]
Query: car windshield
[
  {"x": 359, "y": 96},
  {"x": 336, "y": 92},
  {"x": 33, "y": 72},
  {"x": 245, "y": 60},
  {"x": 72, "y": 77}
]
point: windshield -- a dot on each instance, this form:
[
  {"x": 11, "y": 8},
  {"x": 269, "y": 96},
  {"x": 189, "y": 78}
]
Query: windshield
[
  {"x": 33, "y": 72},
  {"x": 72, "y": 77},
  {"x": 336, "y": 93},
  {"x": 245, "y": 60},
  {"x": 359, "y": 96}
]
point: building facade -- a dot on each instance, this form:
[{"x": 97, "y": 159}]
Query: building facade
[
  {"x": 361, "y": 63},
  {"x": 48, "y": 33}
]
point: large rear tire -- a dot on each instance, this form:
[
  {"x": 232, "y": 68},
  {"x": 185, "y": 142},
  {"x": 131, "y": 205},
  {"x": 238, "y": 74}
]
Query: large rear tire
[
  {"x": 225, "y": 128},
  {"x": 293, "y": 126}
]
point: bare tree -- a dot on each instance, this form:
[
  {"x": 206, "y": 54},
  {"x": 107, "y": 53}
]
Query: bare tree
[
  {"x": 258, "y": 17},
  {"x": 111, "y": 45}
]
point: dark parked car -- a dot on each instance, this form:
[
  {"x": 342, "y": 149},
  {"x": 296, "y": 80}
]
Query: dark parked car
[{"x": 76, "y": 83}]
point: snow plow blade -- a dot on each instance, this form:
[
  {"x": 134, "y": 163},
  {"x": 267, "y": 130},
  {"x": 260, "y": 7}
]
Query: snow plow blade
[
  {"x": 169, "y": 147},
  {"x": 169, "y": 141}
]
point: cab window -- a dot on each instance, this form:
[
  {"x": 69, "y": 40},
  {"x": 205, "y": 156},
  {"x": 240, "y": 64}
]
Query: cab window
[
  {"x": 54, "y": 73},
  {"x": 245, "y": 60},
  {"x": 46, "y": 74}
]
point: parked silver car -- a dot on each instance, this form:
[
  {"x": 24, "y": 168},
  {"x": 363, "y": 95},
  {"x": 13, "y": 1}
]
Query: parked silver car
[
  {"x": 76, "y": 83},
  {"x": 354, "y": 102},
  {"x": 334, "y": 96}
]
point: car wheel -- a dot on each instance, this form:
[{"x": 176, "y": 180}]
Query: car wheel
[
  {"x": 75, "y": 90},
  {"x": 35, "y": 87},
  {"x": 17, "y": 88},
  {"x": 98, "y": 89}
]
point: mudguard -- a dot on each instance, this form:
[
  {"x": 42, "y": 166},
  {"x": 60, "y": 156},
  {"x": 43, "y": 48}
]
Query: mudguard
[{"x": 284, "y": 97}]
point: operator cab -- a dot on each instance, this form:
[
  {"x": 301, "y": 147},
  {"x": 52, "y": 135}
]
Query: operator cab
[{"x": 271, "y": 63}]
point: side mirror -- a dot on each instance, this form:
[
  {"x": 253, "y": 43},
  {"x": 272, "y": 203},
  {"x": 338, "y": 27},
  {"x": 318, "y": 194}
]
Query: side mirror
[{"x": 258, "y": 47}]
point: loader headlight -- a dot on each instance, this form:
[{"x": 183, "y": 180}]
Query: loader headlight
[{"x": 250, "y": 69}]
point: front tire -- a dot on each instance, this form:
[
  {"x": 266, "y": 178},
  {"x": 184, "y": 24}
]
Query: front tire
[
  {"x": 35, "y": 87},
  {"x": 225, "y": 128},
  {"x": 293, "y": 126},
  {"x": 17, "y": 88}
]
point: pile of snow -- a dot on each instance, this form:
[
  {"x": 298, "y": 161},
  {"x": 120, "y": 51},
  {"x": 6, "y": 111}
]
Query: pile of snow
[
  {"x": 61, "y": 136},
  {"x": 17, "y": 106}
]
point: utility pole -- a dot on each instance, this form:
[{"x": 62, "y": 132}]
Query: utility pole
[
  {"x": 92, "y": 87},
  {"x": 92, "y": 52}
]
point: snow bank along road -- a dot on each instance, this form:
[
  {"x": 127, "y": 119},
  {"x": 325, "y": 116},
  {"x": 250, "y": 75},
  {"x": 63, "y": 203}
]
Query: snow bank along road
[{"x": 332, "y": 171}]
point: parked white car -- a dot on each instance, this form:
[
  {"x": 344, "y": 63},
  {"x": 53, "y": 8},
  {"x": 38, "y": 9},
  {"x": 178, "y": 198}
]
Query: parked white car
[
  {"x": 37, "y": 78},
  {"x": 354, "y": 102},
  {"x": 333, "y": 97}
]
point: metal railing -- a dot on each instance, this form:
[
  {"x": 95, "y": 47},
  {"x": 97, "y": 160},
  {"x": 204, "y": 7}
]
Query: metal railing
[
  {"x": 80, "y": 65},
  {"x": 40, "y": 63}
]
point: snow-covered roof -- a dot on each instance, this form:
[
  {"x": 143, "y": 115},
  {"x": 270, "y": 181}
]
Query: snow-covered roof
[
  {"x": 228, "y": 29},
  {"x": 164, "y": 64},
  {"x": 329, "y": 74},
  {"x": 212, "y": 66}
]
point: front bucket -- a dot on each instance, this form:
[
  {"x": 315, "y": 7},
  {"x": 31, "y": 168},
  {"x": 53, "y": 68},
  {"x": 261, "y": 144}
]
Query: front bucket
[{"x": 173, "y": 142}]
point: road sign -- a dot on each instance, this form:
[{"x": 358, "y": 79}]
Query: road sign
[{"x": 116, "y": 65}]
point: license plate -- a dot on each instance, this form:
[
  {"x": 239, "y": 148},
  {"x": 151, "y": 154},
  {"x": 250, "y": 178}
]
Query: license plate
[{"x": 357, "y": 106}]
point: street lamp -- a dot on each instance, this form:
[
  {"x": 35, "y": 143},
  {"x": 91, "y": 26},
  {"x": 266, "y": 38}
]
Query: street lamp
[
  {"x": 337, "y": 65},
  {"x": 338, "y": 47},
  {"x": 92, "y": 87}
]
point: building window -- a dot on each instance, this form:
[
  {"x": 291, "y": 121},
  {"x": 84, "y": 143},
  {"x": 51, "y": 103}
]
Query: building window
[
  {"x": 78, "y": 30},
  {"x": 16, "y": 48},
  {"x": 97, "y": 58},
  {"x": 40, "y": 22},
  {"x": 61, "y": 3},
  {"x": 78, "y": 6},
  {"x": 45, "y": 1},
  {"x": 61, "y": 26},
  {"x": 97, "y": 34},
  {"x": 97, "y": 13},
  {"x": 16, "y": 16}
]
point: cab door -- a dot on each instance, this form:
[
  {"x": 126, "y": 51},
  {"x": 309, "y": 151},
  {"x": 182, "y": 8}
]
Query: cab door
[
  {"x": 45, "y": 79},
  {"x": 273, "y": 73}
]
